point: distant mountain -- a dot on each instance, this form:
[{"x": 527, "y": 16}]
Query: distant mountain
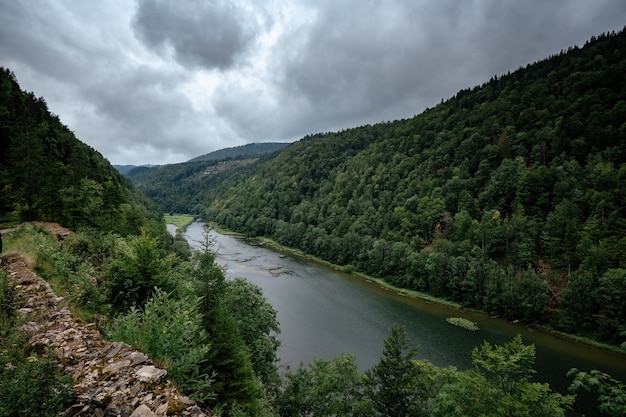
[
  {"x": 239, "y": 151},
  {"x": 125, "y": 169}
]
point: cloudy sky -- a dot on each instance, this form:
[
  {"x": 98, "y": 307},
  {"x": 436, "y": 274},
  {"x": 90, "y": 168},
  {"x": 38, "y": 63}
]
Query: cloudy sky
[{"x": 163, "y": 81}]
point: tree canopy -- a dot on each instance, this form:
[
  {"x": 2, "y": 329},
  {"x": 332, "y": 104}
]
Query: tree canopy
[{"x": 47, "y": 174}]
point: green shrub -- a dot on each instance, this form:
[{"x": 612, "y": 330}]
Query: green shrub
[
  {"x": 169, "y": 330},
  {"x": 31, "y": 384},
  {"x": 463, "y": 323},
  {"x": 137, "y": 268}
]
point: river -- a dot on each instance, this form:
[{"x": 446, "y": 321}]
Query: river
[{"x": 323, "y": 313}]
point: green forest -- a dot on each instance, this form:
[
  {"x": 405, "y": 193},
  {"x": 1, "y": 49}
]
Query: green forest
[
  {"x": 507, "y": 198},
  {"x": 46, "y": 174}
]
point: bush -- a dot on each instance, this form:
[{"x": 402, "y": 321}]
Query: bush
[
  {"x": 138, "y": 267},
  {"x": 463, "y": 323},
  {"x": 31, "y": 384},
  {"x": 169, "y": 330}
]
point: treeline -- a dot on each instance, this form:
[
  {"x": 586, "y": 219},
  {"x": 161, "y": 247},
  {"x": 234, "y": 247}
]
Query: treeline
[
  {"x": 182, "y": 188},
  {"x": 216, "y": 338},
  {"x": 249, "y": 150},
  {"x": 47, "y": 174},
  {"x": 508, "y": 197}
]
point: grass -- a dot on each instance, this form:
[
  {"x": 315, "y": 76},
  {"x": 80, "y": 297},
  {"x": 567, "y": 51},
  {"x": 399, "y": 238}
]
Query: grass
[
  {"x": 181, "y": 221},
  {"x": 68, "y": 276}
]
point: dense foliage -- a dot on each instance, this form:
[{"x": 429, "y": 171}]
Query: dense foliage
[
  {"x": 499, "y": 385},
  {"x": 217, "y": 338},
  {"x": 508, "y": 197},
  {"x": 182, "y": 188},
  {"x": 610, "y": 392},
  {"x": 47, "y": 174}
]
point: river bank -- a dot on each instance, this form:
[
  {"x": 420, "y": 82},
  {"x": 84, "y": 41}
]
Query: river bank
[
  {"x": 181, "y": 221},
  {"x": 325, "y": 312},
  {"x": 273, "y": 245}
]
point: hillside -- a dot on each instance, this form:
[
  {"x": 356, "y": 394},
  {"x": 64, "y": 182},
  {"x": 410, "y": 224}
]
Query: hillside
[
  {"x": 248, "y": 150},
  {"x": 47, "y": 174},
  {"x": 509, "y": 197},
  {"x": 125, "y": 169},
  {"x": 182, "y": 188},
  {"x": 80, "y": 350}
]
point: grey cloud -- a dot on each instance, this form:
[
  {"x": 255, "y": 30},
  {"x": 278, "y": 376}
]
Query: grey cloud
[
  {"x": 30, "y": 36},
  {"x": 370, "y": 62},
  {"x": 161, "y": 82},
  {"x": 210, "y": 34}
]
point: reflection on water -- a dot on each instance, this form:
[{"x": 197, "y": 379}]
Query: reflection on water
[{"x": 324, "y": 313}]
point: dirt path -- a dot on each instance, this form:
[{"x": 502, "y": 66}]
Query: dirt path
[{"x": 55, "y": 228}]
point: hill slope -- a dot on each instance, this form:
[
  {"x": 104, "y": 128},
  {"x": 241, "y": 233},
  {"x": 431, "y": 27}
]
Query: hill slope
[
  {"x": 508, "y": 197},
  {"x": 47, "y": 174},
  {"x": 181, "y": 188},
  {"x": 250, "y": 149},
  {"x": 482, "y": 199}
]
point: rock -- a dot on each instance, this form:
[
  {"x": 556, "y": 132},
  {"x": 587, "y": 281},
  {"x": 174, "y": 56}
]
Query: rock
[
  {"x": 137, "y": 358},
  {"x": 162, "y": 409},
  {"x": 110, "y": 379},
  {"x": 142, "y": 411},
  {"x": 115, "y": 349},
  {"x": 150, "y": 373},
  {"x": 116, "y": 367}
]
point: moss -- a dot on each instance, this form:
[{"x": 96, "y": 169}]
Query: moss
[{"x": 174, "y": 408}]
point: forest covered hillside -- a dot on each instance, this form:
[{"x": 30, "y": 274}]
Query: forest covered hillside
[
  {"x": 47, "y": 174},
  {"x": 508, "y": 197},
  {"x": 248, "y": 150}
]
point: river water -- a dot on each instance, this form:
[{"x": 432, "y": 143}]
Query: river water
[{"x": 324, "y": 313}]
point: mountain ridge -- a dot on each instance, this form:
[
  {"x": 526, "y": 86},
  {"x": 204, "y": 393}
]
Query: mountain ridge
[{"x": 248, "y": 149}]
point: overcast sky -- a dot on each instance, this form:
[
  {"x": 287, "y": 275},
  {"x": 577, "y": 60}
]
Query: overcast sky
[{"x": 163, "y": 81}]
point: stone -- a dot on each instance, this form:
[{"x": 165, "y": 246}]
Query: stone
[
  {"x": 162, "y": 409},
  {"x": 137, "y": 358},
  {"x": 116, "y": 367},
  {"x": 115, "y": 348},
  {"x": 110, "y": 379},
  {"x": 142, "y": 411},
  {"x": 150, "y": 373}
]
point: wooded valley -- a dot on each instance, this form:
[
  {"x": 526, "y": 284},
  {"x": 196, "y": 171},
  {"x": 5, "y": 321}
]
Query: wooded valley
[{"x": 508, "y": 198}]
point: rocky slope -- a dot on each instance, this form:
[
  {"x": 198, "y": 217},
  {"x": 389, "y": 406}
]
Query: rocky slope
[{"x": 110, "y": 378}]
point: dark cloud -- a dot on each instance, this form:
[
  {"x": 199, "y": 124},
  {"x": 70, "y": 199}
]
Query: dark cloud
[
  {"x": 370, "y": 62},
  {"x": 30, "y": 36},
  {"x": 164, "y": 81},
  {"x": 210, "y": 34}
]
